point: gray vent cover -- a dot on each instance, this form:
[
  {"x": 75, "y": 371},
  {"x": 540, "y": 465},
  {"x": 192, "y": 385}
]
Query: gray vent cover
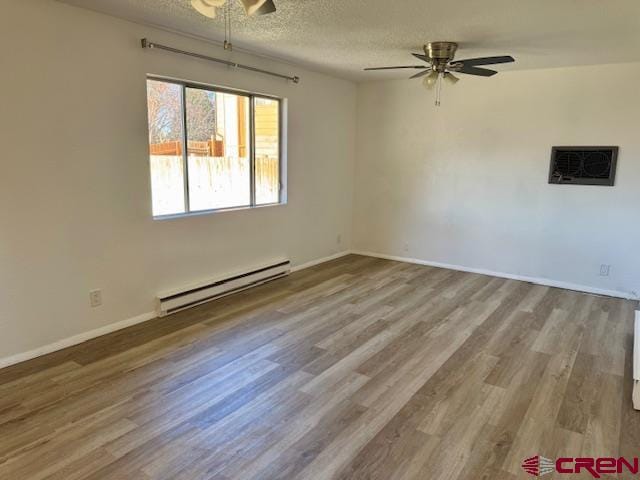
[{"x": 583, "y": 165}]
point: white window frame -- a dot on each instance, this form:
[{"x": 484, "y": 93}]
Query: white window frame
[{"x": 282, "y": 147}]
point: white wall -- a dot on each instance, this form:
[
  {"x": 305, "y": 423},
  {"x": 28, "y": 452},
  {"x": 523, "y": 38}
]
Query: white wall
[
  {"x": 466, "y": 184},
  {"x": 75, "y": 202}
]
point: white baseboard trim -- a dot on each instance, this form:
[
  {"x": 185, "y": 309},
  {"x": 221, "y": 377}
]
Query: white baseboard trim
[
  {"x": 313, "y": 263},
  {"x": 538, "y": 281},
  {"x": 75, "y": 340},
  {"x": 98, "y": 332}
]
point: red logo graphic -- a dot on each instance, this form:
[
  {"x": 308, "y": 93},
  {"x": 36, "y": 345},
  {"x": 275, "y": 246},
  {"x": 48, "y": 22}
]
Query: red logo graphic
[{"x": 538, "y": 466}]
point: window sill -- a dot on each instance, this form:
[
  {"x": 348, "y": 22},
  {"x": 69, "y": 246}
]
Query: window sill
[{"x": 200, "y": 213}]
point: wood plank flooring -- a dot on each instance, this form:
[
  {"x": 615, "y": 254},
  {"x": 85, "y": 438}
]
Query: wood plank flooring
[{"x": 359, "y": 368}]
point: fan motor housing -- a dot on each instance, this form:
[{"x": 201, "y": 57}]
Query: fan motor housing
[{"x": 440, "y": 53}]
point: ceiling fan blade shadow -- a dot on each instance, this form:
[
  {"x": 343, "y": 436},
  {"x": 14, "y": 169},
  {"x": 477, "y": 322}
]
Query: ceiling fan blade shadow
[
  {"x": 480, "y": 72},
  {"x": 426, "y": 71},
  {"x": 258, "y": 7},
  {"x": 394, "y": 68},
  {"x": 474, "y": 62}
]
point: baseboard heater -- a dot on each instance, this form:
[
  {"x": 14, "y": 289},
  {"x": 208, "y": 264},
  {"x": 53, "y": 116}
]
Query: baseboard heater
[
  {"x": 636, "y": 363},
  {"x": 187, "y": 297}
]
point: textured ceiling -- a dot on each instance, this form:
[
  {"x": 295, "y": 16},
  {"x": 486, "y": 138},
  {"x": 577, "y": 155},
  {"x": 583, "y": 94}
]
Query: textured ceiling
[{"x": 342, "y": 37}]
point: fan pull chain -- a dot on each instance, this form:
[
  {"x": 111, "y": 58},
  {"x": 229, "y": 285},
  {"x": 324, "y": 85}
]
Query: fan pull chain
[
  {"x": 438, "y": 89},
  {"x": 227, "y": 27}
]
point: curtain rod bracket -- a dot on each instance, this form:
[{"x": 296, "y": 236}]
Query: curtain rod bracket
[{"x": 147, "y": 44}]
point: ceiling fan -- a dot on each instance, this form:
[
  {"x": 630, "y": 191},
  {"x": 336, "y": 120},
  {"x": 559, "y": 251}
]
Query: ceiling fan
[
  {"x": 440, "y": 57},
  {"x": 208, "y": 8}
]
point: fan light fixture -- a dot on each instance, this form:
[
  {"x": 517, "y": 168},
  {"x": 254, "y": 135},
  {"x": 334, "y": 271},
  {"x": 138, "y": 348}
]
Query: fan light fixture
[
  {"x": 451, "y": 78},
  {"x": 430, "y": 80},
  {"x": 252, "y": 7},
  {"x": 207, "y": 7},
  {"x": 258, "y": 7}
]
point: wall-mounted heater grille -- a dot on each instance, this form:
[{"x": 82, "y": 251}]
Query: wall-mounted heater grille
[
  {"x": 583, "y": 165},
  {"x": 176, "y": 300}
]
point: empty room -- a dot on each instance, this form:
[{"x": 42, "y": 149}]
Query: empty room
[{"x": 319, "y": 240}]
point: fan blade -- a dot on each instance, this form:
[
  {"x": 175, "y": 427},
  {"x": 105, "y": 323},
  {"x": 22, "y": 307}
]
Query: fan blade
[
  {"x": 480, "y": 72},
  {"x": 393, "y": 68},
  {"x": 258, "y": 7},
  {"x": 474, "y": 62},
  {"x": 424, "y": 58},
  {"x": 426, "y": 71}
]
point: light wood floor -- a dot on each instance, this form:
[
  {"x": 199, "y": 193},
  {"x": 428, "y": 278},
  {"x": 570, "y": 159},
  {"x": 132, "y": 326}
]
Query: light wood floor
[{"x": 358, "y": 368}]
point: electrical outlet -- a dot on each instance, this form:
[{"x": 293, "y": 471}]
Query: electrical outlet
[
  {"x": 95, "y": 298},
  {"x": 605, "y": 270},
  {"x": 339, "y": 239}
]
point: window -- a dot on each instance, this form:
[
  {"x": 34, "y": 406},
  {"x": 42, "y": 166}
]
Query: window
[{"x": 212, "y": 149}]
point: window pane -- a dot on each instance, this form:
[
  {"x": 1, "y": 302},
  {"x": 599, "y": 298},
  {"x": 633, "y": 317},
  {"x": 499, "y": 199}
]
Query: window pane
[
  {"x": 164, "y": 103},
  {"x": 218, "y": 147},
  {"x": 267, "y": 127}
]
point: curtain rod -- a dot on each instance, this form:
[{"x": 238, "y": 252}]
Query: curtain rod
[{"x": 147, "y": 44}]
